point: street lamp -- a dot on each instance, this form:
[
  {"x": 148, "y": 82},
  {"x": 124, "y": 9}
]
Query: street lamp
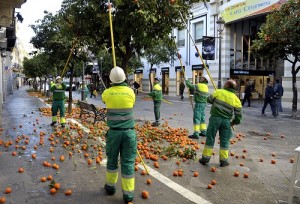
[{"x": 220, "y": 23}]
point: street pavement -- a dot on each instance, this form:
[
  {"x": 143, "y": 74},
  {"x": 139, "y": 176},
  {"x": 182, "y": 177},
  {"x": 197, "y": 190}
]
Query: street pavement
[{"x": 261, "y": 137}]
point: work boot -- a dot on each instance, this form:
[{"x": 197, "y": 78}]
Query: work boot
[
  {"x": 110, "y": 190},
  {"x": 53, "y": 123},
  {"x": 203, "y": 161},
  {"x": 202, "y": 134},
  {"x": 193, "y": 136},
  {"x": 224, "y": 163},
  {"x": 127, "y": 198},
  {"x": 155, "y": 124}
]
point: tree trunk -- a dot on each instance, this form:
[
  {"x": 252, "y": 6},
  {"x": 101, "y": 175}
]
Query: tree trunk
[
  {"x": 150, "y": 78},
  {"x": 295, "y": 93},
  {"x": 45, "y": 85},
  {"x": 70, "y": 90}
]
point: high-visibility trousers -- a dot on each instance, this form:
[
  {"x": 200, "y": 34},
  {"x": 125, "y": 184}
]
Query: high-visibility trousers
[{"x": 58, "y": 105}]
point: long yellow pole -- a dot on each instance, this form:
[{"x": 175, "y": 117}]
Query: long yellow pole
[
  {"x": 208, "y": 72},
  {"x": 67, "y": 62},
  {"x": 200, "y": 56},
  {"x": 114, "y": 62},
  {"x": 111, "y": 34}
]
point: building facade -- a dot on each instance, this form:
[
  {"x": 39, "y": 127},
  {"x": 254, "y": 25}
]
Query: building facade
[
  {"x": 8, "y": 18},
  {"x": 230, "y": 58}
]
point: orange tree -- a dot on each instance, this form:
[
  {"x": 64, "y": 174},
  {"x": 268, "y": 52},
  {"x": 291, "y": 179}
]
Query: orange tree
[
  {"x": 279, "y": 37},
  {"x": 137, "y": 24}
]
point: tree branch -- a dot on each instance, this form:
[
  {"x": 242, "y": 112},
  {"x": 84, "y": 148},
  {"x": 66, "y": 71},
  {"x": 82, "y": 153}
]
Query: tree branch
[{"x": 297, "y": 69}]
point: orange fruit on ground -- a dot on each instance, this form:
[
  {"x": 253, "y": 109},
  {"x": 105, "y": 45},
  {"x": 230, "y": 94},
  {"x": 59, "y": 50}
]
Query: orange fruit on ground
[
  {"x": 52, "y": 190},
  {"x": 136, "y": 168},
  {"x": 213, "y": 182},
  {"x": 144, "y": 172},
  {"x": 43, "y": 179},
  {"x": 57, "y": 186},
  {"x": 209, "y": 186},
  {"x": 68, "y": 192},
  {"x": 2, "y": 200},
  {"x": 213, "y": 169},
  {"x": 273, "y": 161},
  {"x": 49, "y": 177},
  {"x": 14, "y": 153},
  {"x": 291, "y": 160},
  {"x": 149, "y": 181},
  {"x": 246, "y": 175},
  {"x": 145, "y": 194},
  {"x": 62, "y": 158},
  {"x": 261, "y": 160},
  {"x": 156, "y": 164},
  {"x": 33, "y": 156},
  {"x": 21, "y": 170},
  {"x": 175, "y": 173},
  {"x": 241, "y": 164},
  {"x": 8, "y": 190},
  {"x": 196, "y": 174},
  {"x": 236, "y": 174},
  {"x": 273, "y": 155}
]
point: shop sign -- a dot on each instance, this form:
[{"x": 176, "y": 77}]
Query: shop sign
[
  {"x": 198, "y": 67},
  {"x": 165, "y": 69},
  {"x": 246, "y": 8},
  {"x": 153, "y": 70},
  {"x": 179, "y": 68},
  {"x": 251, "y": 72},
  {"x": 138, "y": 71}
]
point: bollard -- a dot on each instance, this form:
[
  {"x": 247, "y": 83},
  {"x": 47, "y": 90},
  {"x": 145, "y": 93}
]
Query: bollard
[{"x": 295, "y": 178}]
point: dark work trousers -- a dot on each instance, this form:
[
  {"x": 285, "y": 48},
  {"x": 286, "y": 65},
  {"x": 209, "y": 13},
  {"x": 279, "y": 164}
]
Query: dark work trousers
[
  {"x": 246, "y": 97},
  {"x": 266, "y": 102}
]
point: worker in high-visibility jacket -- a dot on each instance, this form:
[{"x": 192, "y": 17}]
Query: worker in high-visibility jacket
[
  {"x": 200, "y": 94},
  {"x": 58, "y": 102},
  {"x": 226, "y": 111},
  {"x": 121, "y": 136},
  {"x": 156, "y": 95}
]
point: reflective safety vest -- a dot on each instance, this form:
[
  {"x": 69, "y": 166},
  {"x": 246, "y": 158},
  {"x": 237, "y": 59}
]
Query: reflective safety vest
[
  {"x": 58, "y": 91},
  {"x": 225, "y": 103},
  {"x": 156, "y": 94},
  {"x": 200, "y": 91},
  {"x": 119, "y": 102}
]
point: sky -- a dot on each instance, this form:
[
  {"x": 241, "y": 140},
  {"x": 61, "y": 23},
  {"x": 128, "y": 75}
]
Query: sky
[{"x": 31, "y": 11}]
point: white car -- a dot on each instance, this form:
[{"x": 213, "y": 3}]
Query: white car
[{"x": 68, "y": 86}]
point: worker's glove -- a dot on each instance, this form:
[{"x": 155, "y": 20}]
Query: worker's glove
[{"x": 57, "y": 84}]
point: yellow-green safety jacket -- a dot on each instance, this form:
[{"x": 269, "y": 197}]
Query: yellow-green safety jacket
[
  {"x": 119, "y": 106},
  {"x": 225, "y": 103},
  {"x": 58, "y": 91},
  {"x": 200, "y": 91},
  {"x": 156, "y": 94}
]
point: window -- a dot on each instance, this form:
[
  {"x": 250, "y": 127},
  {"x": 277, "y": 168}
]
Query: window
[
  {"x": 181, "y": 38},
  {"x": 198, "y": 32}
]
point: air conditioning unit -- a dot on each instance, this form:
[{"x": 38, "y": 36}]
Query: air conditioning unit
[
  {"x": 2, "y": 33},
  {"x": 3, "y": 43}
]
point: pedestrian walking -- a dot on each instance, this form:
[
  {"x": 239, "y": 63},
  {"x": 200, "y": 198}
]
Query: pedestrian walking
[
  {"x": 121, "y": 136},
  {"x": 156, "y": 95},
  {"x": 58, "y": 102},
  {"x": 17, "y": 84},
  {"x": 247, "y": 92},
  {"x": 278, "y": 93},
  {"x": 92, "y": 90},
  {"x": 181, "y": 89},
  {"x": 269, "y": 93},
  {"x": 200, "y": 91},
  {"x": 226, "y": 111},
  {"x": 136, "y": 87}
]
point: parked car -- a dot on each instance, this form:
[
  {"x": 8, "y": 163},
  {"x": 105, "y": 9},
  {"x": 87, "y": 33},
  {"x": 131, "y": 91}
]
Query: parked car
[{"x": 68, "y": 86}]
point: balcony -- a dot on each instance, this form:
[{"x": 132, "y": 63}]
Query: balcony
[{"x": 7, "y": 10}]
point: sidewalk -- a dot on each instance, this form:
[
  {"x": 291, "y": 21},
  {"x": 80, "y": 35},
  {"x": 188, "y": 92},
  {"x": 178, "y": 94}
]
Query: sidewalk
[{"x": 267, "y": 183}]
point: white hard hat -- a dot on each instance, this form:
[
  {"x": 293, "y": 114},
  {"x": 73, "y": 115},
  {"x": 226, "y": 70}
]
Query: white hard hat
[
  {"x": 206, "y": 77},
  {"x": 58, "y": 77},
  {"x": 117, "y": 75}
]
